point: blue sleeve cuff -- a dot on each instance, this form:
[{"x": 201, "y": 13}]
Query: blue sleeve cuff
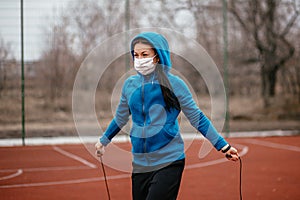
[
  {"x": 104, "y": 140},
  {"x": 221, "y": 143},
  {"x": 214, "y": 137}
]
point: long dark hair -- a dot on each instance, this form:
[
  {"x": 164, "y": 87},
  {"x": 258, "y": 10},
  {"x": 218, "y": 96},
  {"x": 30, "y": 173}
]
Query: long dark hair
[{"x": 170, "y": 99}]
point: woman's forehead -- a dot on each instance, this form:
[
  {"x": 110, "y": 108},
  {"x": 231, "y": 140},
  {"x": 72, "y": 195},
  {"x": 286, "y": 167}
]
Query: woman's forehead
[{"x": 142, "y": 47}]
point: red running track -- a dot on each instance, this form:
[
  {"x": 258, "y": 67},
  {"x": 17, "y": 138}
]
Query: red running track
[{"x": 270, "y": 171}]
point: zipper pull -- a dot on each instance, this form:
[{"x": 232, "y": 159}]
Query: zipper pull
[{"x": 153, "y": 78}]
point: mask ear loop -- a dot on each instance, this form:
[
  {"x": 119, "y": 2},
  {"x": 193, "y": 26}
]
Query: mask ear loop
[{"x": 155, "y": 57}]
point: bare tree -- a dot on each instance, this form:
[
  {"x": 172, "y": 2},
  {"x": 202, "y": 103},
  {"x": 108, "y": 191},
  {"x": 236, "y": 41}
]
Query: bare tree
[
  {"x": 268, "y": 23},
  {"x": 92, "y": 21},
  {"x": 199, "y": 20},
  {"x": 5, "y": 57},
  {"x": 57, "y": 63},
  {"x": 73, "y": 35}
]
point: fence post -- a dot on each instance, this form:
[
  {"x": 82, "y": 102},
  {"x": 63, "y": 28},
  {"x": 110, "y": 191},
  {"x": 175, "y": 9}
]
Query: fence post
[{"x": 22, "y": 75}]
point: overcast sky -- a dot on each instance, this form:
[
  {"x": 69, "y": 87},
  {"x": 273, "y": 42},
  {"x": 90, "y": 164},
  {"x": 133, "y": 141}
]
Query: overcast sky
[{"x": 37, "y": 14}]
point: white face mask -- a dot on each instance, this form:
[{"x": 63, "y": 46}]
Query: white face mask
[{"x": 144, "y": 66}]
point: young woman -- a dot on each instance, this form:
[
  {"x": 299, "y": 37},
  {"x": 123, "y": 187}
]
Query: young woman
[{"x": 154, "y": 98}]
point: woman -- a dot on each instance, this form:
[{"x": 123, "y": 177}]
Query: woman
[{"x": 154, "y": 98}]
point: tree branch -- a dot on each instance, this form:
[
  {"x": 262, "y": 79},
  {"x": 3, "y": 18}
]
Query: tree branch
[
  {"x": 233, "y": 10},
  {"x": 291, "y": 51},
  {"x": 290, "y": 24}
]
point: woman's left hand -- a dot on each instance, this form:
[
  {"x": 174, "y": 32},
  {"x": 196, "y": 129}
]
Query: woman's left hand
[{"x": 232, "y": 154}]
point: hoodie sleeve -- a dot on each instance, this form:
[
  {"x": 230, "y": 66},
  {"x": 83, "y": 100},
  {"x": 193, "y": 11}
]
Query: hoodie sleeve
[
  {"x": 120, "y": 119},
  {"x": 196, "y": 117}
]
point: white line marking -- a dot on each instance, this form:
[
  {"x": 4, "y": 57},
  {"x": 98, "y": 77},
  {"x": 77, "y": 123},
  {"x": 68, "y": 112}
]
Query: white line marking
[
  {"x": 70, "y": 155},
  {"x": 121, "y": 176},
  {"x": 123, "y": 138},
  {"x": 221, "y": 160},
  {"x": 18, "y": 173},
  {"x": 273, "y": 145},
  {"x": 39, "y": 169},
  {"x": 76, "y": 181}
]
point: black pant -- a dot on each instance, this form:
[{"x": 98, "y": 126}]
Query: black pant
[{"x": 162, "y": 184}]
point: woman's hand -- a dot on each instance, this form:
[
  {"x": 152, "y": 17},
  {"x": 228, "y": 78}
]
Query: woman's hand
[
  {"x": 232, "y": 154},
  {"x": 99, "y": 149}
]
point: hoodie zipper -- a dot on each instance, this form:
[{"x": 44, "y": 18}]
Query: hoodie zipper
[
  {"x": 144, "y": 115},
  {"x": 143, "y": 131}
]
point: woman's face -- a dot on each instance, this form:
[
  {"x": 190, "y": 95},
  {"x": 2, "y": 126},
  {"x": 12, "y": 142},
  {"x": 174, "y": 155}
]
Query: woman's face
[{"x": 144, "y": 51}]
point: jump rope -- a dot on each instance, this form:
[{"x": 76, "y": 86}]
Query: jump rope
[
  {"x": 227, "y": 156},
  {"x": 105, "y": 179},
  {"x": 240, "y": 175},
  {"x": 240, "y": 183}
]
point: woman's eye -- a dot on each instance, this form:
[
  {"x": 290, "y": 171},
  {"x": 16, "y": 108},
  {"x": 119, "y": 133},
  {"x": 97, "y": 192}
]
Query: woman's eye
[{"x": 144, "y": 55}]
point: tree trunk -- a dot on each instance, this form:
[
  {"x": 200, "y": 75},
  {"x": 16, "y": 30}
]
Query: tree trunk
[{"x": 268, "y": 75}]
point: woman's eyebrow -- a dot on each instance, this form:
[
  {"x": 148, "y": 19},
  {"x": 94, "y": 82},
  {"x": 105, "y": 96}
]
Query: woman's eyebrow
[{"x": 144, "y": 51}]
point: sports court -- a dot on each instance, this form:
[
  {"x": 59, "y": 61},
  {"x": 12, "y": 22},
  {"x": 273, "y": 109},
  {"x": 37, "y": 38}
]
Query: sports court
[
  {"x": 69, "y": 171},
  {"x": 66, "y": 62}
]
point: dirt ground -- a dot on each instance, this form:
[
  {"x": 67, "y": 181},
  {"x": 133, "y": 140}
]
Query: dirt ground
[
  {"x": 68, "y": 129},
  {"x": 246, "y": 114}
]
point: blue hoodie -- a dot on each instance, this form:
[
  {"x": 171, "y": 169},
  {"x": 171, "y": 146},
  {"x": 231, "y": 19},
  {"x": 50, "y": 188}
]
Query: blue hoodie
[{"x": 155, "y": 134}]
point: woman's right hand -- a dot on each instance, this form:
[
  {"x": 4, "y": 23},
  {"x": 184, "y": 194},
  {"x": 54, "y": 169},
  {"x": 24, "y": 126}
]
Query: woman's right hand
[{"x": 99, "y": 149}]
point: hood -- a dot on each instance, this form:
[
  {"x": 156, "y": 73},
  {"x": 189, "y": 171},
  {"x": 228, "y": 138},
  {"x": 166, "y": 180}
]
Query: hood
[{"x": 161, "y": 46}]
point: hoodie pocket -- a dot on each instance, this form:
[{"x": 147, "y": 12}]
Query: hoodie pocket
[
  {"x": 137, "y": 144},
  {"x": 170, "y": 131},
  {"x": 160, "y": 140}
]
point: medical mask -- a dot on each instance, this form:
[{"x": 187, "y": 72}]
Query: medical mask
[{"x": 144, "y": 66}]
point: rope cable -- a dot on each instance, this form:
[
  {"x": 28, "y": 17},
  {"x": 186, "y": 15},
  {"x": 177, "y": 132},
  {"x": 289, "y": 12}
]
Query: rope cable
[
  {"x": 240, "y": 183},
  {"x": 105, "y": 179}
]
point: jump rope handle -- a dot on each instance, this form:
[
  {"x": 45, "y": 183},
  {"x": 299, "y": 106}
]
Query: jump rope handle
[{"x": 228, "y": 156}]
